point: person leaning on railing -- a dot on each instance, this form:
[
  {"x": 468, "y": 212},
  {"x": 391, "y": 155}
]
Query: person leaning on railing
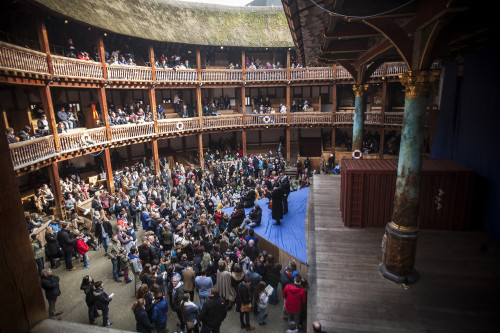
[
  {"x": 11, "y": 137},
  {"x": 43, "y": 125}
]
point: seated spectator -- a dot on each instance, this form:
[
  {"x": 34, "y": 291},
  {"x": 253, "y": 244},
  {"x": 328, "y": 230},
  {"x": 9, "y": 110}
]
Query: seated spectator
[
  {"x": 61, "y": 129},
  {"x": 63, "y": 117},
  {"x": 11, "y": 138},
  {"x": 24, "y": 134},
  {"x": 43, "y": 125}
]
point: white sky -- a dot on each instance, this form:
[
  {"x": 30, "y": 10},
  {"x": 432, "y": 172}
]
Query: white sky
[{"x": 223, "y": 2}]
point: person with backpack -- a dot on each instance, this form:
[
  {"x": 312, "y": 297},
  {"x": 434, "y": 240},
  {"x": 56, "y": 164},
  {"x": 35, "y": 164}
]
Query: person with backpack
[{"x": 136, "y": 266}]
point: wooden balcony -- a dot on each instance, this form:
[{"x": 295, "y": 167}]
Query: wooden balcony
[
  {"x": 82, "y": 139},
  {"x": 69, "y": 67},
  {"x": 27, "y": 154},
  {"x": 223, "y": 122},
  {"x": 15, "y": 58},
  {"x": 32, "y": 151}
]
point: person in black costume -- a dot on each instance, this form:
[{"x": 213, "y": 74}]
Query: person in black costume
[{"x": 277, "y": 210}]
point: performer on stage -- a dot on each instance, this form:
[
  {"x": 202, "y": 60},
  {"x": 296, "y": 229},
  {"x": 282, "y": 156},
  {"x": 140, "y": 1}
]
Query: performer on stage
[
  {"x": 285, "y": 186},
  {"x": 277, "y": 197}
]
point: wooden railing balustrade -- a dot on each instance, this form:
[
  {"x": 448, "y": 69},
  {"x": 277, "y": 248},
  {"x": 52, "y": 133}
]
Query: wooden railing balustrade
[
  {"x": 221, "y": 75},
  {"x": 130, "y": 73},
  {"x": 64, "y": 66},
  {"x": 312, "y": 73},
  {"x": 373, "y": 118},
  {"x": 265, "y": 119},
  {"x": 30, "y": 151},
  {"x": 172, "y": 126},
  {"x": 393, "y": 118},
  {"x": 223, "y": 122},
  {"x": 343, "y": 118},
  {"x": 311, "y": 118},
  {"x": 176, "y": 75},
  {"x": 130, "y": 131},
  {"x": 265, "y": 75},
  {"x": 22, "y": 59},
  {"x": 82, "y": 139}
]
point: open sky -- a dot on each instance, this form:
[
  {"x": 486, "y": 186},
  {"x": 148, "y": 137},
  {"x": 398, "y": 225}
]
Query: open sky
[{"x": 223, "y": 2}]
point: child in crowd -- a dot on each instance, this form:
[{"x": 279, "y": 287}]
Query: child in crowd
[
  {"x": 82, "y": 248},
  {"x": 292, "y": 328},
  {"x": 125, "y": 263},
  {"x": 261, "y": 297}
]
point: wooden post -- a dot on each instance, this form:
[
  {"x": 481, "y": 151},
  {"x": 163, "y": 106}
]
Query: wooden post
[
  {"x": 288, "y": 75},
  {"x": 243, "y": 69},
  {"x": 55, "y": 183},
  {"x": 288, "y": 104},
  {"x": 22, "y": 301},
  {"x": 101, "y": 95},
  {"x": 156, "y": 158},
  {"x": 333, "y": 138},
  {"x": 200, "y": 151},
  {"x": 100, "y": 51},
  {"x": 46, "y": 98},
  {"x": 288, "y": 144},
  {"x": 198, "y": 106},
  {"x": 43, "y": 40},
  {"x": 381, "y": 144},
  {"x": 152, "y": 104},
  {"x": 243, "y": 104},
  {"x": 244, "y": 142},
  {"x": 198, "y": 64},
  {"x": 383, "y": 106},
  {"x": 153, "y": 62},
  {"x": 109, "y": 171}
]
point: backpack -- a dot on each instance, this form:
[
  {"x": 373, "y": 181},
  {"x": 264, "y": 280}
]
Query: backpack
[{"x": 136, "y": 265}]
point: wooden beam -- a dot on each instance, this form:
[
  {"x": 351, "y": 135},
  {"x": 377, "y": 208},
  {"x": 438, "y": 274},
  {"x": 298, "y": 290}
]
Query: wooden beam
[
  {"x": 109, "y": 171},
  {"x": 22, "y": 301},
  {"x": 156, "y": 158},
  {"x": 46, "y": 98},
  {"x": 101, "y": 95},
  {"x": 200, "y": 151},
  {"x": 55, "y": 184},
  {"x": 43, "y": 40}
]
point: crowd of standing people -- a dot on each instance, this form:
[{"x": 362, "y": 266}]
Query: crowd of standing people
[{"x": 188, "y": 245}]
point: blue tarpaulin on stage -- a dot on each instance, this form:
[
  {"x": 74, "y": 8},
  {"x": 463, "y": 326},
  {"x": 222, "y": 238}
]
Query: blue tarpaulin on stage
[{"x": 291, "y": 234}]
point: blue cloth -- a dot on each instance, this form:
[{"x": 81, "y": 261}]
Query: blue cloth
[{"x": 290, "y": 236}]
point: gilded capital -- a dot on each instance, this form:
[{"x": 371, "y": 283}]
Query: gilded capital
[
  {"x": 418, "y": 84},
  {"x": 359, "y": 89}
]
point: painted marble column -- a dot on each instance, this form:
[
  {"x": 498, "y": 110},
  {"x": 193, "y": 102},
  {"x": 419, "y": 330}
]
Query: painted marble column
[
  {"x": 400, "y": 240},
  {"x": 359, "y": 115}
]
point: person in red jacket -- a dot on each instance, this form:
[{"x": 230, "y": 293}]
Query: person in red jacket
[
  {"x": 295, "y": 296},
  {"x": 82, "y": 248}
]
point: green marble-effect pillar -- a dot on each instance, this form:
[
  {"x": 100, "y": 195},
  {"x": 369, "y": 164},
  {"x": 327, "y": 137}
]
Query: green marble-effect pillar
[
  {"x": 359, "y": 115},
  {"x": 402, "y": 232}
]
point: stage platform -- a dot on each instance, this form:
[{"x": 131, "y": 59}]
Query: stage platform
[
  {"x": 290, "y": 235},
  {"x": 459, "y": 288}
]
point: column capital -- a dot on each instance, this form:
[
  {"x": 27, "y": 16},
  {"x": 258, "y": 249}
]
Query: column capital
[
  {"x": 418, "y": 83},
  {"x": 359, "y": 89}
]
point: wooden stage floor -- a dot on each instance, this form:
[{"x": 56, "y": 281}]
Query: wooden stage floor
[{"x": 458, "y": 291}]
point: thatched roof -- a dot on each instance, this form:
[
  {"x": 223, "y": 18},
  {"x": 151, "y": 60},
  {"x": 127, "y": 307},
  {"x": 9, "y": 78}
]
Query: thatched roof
[{"x": 180, "y": 22}]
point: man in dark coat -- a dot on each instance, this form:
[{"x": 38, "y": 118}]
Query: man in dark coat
[
  {"x": 277, "y": 197},
  {"x": 285, "y": 186},
  {"x": 213, "y": 313},
  {"x": 67, "y": 242},
  {"x": 50, "y": 283}
]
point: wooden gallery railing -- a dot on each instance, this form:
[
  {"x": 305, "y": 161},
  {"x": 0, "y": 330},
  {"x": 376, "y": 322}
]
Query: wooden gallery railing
[
  {"x": 223, "y": 122},
  {"x": 21, "y": 59},
  {"x": 64, "y": 66},
  {"x": 311, "y": 118},
  {"x": 221, "y": 75},
  {"x": 28, "y": 152},
  {"x": 178, "y": 126},
  {"x": 265, "y": 120},
  {"x": 131, "y": 131},
  {"x": 83, "y": 139}
]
